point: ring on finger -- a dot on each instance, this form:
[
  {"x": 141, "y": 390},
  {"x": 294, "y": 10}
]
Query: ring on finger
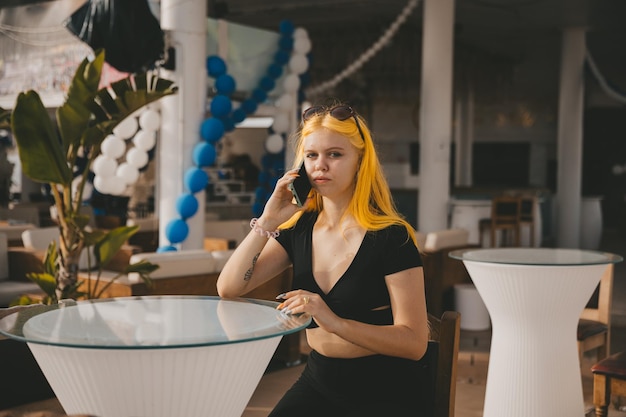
[{"x": 305, "y": 300}]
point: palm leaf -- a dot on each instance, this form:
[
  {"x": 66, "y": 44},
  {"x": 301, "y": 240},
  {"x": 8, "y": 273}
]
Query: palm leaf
[{"x": 38, "y": 144}]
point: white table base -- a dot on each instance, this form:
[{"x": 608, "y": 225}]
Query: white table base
[
  {"x": 211, "y": 381},
  {"x": 533, "y": 363}
]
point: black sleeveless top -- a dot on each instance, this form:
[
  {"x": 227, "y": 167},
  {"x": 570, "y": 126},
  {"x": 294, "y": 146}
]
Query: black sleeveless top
[{"x": 361, "y": 289}]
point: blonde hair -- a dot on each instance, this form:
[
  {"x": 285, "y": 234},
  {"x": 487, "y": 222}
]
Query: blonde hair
[{"x": 371, "y": 204}]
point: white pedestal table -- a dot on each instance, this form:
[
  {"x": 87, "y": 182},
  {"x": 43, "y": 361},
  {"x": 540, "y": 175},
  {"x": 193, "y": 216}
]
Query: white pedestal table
[
  {"x": 153, "y": 356},
  {"x": 535, "y": 297}
]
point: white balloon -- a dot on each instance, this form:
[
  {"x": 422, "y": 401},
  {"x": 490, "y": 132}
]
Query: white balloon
[
  {"x": 300, "y": 32},
  {"x": 302, "y": 45},
  {"x": 274, "y": 143},
  {"x": 102, "y": 184},
  {"x": 298, "y": 63},
  {"x": 113, "y": 147},
  {"x": 285, "y": 102},
  {"x": 281, "y": 123},
  {"x": 117, "y": 186},
  {"x": 126, "y": 128},
  {"x": 137, "y": 158},
  {"x": 150, "y": 120},
  {"x": 104, "y": 166},
  {"x": 291, "y": 83},
  {"x": 145, "y": 140},
  {"x": 128, "y": 173}
]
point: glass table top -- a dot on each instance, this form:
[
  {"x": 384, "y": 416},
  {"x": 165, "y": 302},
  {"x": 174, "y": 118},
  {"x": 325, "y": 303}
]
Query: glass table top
[
  {"x": 151, "y": 322},
  {"x": 536, "y": 256}
]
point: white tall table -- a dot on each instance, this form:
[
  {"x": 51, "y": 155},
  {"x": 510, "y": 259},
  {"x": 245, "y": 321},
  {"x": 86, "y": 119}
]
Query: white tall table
[
  {"x": 535, "y": 297},
  {"x": 153, "y": 356}
]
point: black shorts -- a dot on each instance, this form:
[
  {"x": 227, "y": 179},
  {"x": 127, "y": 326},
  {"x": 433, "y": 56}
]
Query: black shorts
[{"x": 369, "y": 386}]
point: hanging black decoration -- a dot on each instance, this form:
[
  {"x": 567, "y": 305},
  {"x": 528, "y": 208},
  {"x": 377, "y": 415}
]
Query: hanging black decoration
[{"x": 126, "y": 29}]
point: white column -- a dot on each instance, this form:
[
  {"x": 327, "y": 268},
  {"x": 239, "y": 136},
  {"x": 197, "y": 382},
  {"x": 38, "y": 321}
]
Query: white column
[
  {"x": 436, "y": 114},
  {"x": 570, "y": 138},
  {"x": 182, "y": 114}
]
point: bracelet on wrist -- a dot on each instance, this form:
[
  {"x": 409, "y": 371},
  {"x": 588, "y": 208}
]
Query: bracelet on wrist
[{"x": 261, "y": 231}]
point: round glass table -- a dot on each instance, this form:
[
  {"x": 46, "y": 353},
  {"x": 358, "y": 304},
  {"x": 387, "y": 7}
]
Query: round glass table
[
  {"x": 153, "y": 356},
  {"x": 535, "y": 297}
]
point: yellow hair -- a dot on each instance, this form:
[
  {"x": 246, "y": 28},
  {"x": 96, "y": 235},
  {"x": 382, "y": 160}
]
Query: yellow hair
[{"x": 371, "y": 205}]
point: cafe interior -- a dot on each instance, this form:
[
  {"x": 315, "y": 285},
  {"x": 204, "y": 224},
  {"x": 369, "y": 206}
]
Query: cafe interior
[{"x": 499, "y": 124}]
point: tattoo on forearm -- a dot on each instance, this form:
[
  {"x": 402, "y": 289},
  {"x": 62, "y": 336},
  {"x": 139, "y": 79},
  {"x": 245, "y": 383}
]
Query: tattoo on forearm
[{"x": 248, "y": 274}]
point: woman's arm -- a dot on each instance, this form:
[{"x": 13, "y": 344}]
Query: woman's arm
[
  {"x": 256, "y": 260},
  {"x": 407, "y": 337}
]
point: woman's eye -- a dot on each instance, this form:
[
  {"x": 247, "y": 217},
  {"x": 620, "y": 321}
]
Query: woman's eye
[{"x": 334, "y": 154}]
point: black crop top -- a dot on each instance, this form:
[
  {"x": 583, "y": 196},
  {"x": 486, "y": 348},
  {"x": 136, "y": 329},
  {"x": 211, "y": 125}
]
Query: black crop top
[{"x": 361, "y": 289}]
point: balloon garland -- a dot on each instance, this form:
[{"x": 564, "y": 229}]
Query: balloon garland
[
  {"x": 113, "y": 178},
  {"x": 384, "y": 39},
  {"x": 294, "y": 44}
]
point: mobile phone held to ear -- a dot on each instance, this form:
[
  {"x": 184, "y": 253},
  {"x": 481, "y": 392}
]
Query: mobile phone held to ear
[{"x": 301, "y": 186}]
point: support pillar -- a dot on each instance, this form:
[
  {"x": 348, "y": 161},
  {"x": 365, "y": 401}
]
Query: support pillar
[
  {"x": 570, "y": 138},
  {"x": 182, "y": 114},
  {"x": 435, "y": 130}
]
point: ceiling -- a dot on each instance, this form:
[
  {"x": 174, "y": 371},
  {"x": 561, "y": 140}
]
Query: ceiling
[{"x": 492, "y": 37}]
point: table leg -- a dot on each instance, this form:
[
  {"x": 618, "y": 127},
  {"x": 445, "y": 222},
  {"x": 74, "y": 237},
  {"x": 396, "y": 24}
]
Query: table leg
[{"x": 533, "y": 363}]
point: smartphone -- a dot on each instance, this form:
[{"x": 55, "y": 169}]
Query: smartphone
[{"x": 301, "y": 186}]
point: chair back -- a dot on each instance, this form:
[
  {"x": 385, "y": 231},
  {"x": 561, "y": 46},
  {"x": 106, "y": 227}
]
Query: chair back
[
  {"x": 594, "y": 326},
  {"x": 445, "y": 333},
  {"x": 505, "y": 211}
]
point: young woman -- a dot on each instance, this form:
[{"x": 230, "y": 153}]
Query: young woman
[{"x": 357, "y": 272}]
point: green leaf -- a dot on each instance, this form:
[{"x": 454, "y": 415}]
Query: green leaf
[
  {"x": 45, "y": 281},
  {"x": 112, "y": 242},
  {"x": 143, "y": 268},
  {"x": 39, "y": 146}
]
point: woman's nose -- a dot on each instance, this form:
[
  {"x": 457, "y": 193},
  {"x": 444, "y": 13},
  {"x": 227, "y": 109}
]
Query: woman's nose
[{"x": 320, "y": 165}]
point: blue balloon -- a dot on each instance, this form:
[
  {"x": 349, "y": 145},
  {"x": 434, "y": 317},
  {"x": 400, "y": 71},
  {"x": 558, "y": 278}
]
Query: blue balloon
[
  {"x": 281, "y": 57},
  {"x": 267, "y": 84},
  {"x": 267, "y": 160},
  {"x": 257, "y": 209},
  {"x": 212, "y": 129},
  {"x": 275, "y": 71},
  {"x": 225, "y": 84},
  {"x": 204, "y": 154},
  {"x": 249, "y": 106},
  {"x": 176, "y": 231},
  {"x": 259, "y": 95},
  {"x": 186, "y": 205},
  {"x": 285, "y": 43},
  {"x": 286, "y": 27},
  {"x": 196, "y": 179},
  {"x": 264, "y": 177},
  {"x": 229, "y": 124},
  {"x": 239, "y": 115},
  {"x": 215, "y": 66},
  {"x": 168, "y": 248},
  {"x": 221, "y": 105},
  {"x": 260, "y": 194}
]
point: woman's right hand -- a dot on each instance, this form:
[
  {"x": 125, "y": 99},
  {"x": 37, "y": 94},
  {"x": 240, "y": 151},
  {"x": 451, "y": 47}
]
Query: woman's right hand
[{"x": 280, "y": 207}]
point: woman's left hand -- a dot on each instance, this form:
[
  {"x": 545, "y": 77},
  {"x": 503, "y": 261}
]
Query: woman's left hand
[{"x": 301, "y": 301}]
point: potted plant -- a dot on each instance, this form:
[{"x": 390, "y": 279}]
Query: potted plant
[{"x": 48, "y": 151}]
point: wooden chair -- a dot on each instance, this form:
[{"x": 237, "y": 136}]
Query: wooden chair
[
  {"x": 594, "y": 327},
  {"x": 505, "y": 218},
  {"x": 609, "y": 378},
  {"x": 444, "y": 340}
]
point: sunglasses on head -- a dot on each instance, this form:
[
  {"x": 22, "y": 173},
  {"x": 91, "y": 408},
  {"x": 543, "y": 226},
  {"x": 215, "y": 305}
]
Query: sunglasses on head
[{"x": 340, "y": 113}]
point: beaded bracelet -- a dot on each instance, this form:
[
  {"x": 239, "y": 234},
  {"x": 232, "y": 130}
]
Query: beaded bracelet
[{"x": 261, "y": 231}]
